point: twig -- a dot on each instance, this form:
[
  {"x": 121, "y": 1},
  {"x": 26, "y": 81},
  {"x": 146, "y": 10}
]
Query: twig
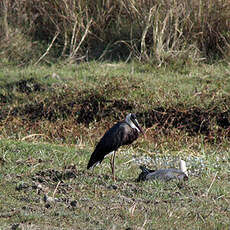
[
  {"x": 145, "y": 151},
  {"x": 213, "y": 180},
  {"x": 147, "y": 26},
  {"x": 132, "y": 209},
  {"x": 55, "y": 190},
  {"x": 5, "y": 16},
  {"x": 82, "y": 39},
  {"x": 32, "y": 135},
  {"x": 48, "y": 49},
  {"x": 72, "y": 43},
  {"x": 144, "y": 222},
  {"x": 128, "y": 161}
]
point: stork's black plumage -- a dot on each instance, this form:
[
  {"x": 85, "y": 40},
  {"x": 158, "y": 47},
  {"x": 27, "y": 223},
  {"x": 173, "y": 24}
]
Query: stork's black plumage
[{"x": 122, "y": 133}]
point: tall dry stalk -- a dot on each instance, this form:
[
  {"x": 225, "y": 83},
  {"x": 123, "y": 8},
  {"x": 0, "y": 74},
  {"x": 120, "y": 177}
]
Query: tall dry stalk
[
  {"x": 5, "y": 6},
  {"x": 152, "y": 30}
]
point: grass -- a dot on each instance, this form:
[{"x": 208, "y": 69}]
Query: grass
[
  {"x": 78, "y": 96},
  {"x": 154, "y": 31},
  {"x": 52, "y": 117},
  {"x": 89, "y": 199}
]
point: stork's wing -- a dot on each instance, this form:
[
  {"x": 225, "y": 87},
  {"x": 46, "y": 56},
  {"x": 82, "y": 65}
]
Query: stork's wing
[{"x": 111, "y": 141}]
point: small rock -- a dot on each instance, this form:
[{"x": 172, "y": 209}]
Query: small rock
[
  {"x": 47, "y": 205},
  {"x": 113, "y": 186},
  {"x": 49, "y": 199},
  {"x": 21, "y": 185},
  {"x": 15, "y": 226},
  {"x": 73, "y": 203},
  {"x": 55, "y": 76}
]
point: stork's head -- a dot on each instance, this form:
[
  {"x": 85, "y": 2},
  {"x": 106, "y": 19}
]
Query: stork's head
[{"x": 131, "y": 119}]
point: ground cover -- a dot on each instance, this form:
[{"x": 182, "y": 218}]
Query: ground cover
[{"x": 52, "y": 117}]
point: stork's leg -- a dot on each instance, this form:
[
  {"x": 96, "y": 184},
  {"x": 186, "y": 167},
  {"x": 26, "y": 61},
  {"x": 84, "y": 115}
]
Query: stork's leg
[{"x": 112, "y": 163}]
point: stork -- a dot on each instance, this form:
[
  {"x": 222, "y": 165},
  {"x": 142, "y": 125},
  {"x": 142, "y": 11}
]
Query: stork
[{"x": 122, "y": 133}]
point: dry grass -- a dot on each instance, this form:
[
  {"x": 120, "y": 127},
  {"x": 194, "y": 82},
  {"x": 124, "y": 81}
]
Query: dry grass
[{"x": 157, "y": 31}]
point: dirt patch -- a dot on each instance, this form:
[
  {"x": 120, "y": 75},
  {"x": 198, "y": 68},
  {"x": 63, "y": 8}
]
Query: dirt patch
[
  {"x": 91, "y": 108},
  {"x": 46, "y": 184},
  {"x": 55, "y": 175},
  {"x": 41, "y": 110},
  {"x": 5, "y": 98},
  {"x": 50, "y": 108},
  {"x": 223, "y": 120},
  {"x": 193, "y": 120},
  {"x": 26, "y": 86},
  {"x": 96, "y": 108}
]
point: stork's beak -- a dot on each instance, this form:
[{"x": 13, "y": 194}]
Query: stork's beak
[{"x": 142, "y": 131}]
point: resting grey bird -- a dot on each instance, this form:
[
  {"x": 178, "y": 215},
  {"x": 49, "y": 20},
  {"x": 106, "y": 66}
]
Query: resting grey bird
[
  {"x": 164, "y": 174},
  {"x": 122, "y": 133}
]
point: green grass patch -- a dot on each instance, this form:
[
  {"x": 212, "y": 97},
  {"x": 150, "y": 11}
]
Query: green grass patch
[
  {"x": 52, "y": 116},
  {"x": 31, "y": 172}
]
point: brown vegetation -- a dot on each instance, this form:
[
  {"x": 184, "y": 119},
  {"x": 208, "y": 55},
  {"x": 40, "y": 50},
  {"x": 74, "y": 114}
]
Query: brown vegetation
[
  {"x": 69, "y": 114},
  {"x": 160, "y": 31}
]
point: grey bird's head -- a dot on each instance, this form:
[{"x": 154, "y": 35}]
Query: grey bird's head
[{"x": 131, "y": 119}]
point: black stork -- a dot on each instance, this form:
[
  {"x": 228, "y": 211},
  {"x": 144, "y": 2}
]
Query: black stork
[{"x": 122, "y": 133}]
